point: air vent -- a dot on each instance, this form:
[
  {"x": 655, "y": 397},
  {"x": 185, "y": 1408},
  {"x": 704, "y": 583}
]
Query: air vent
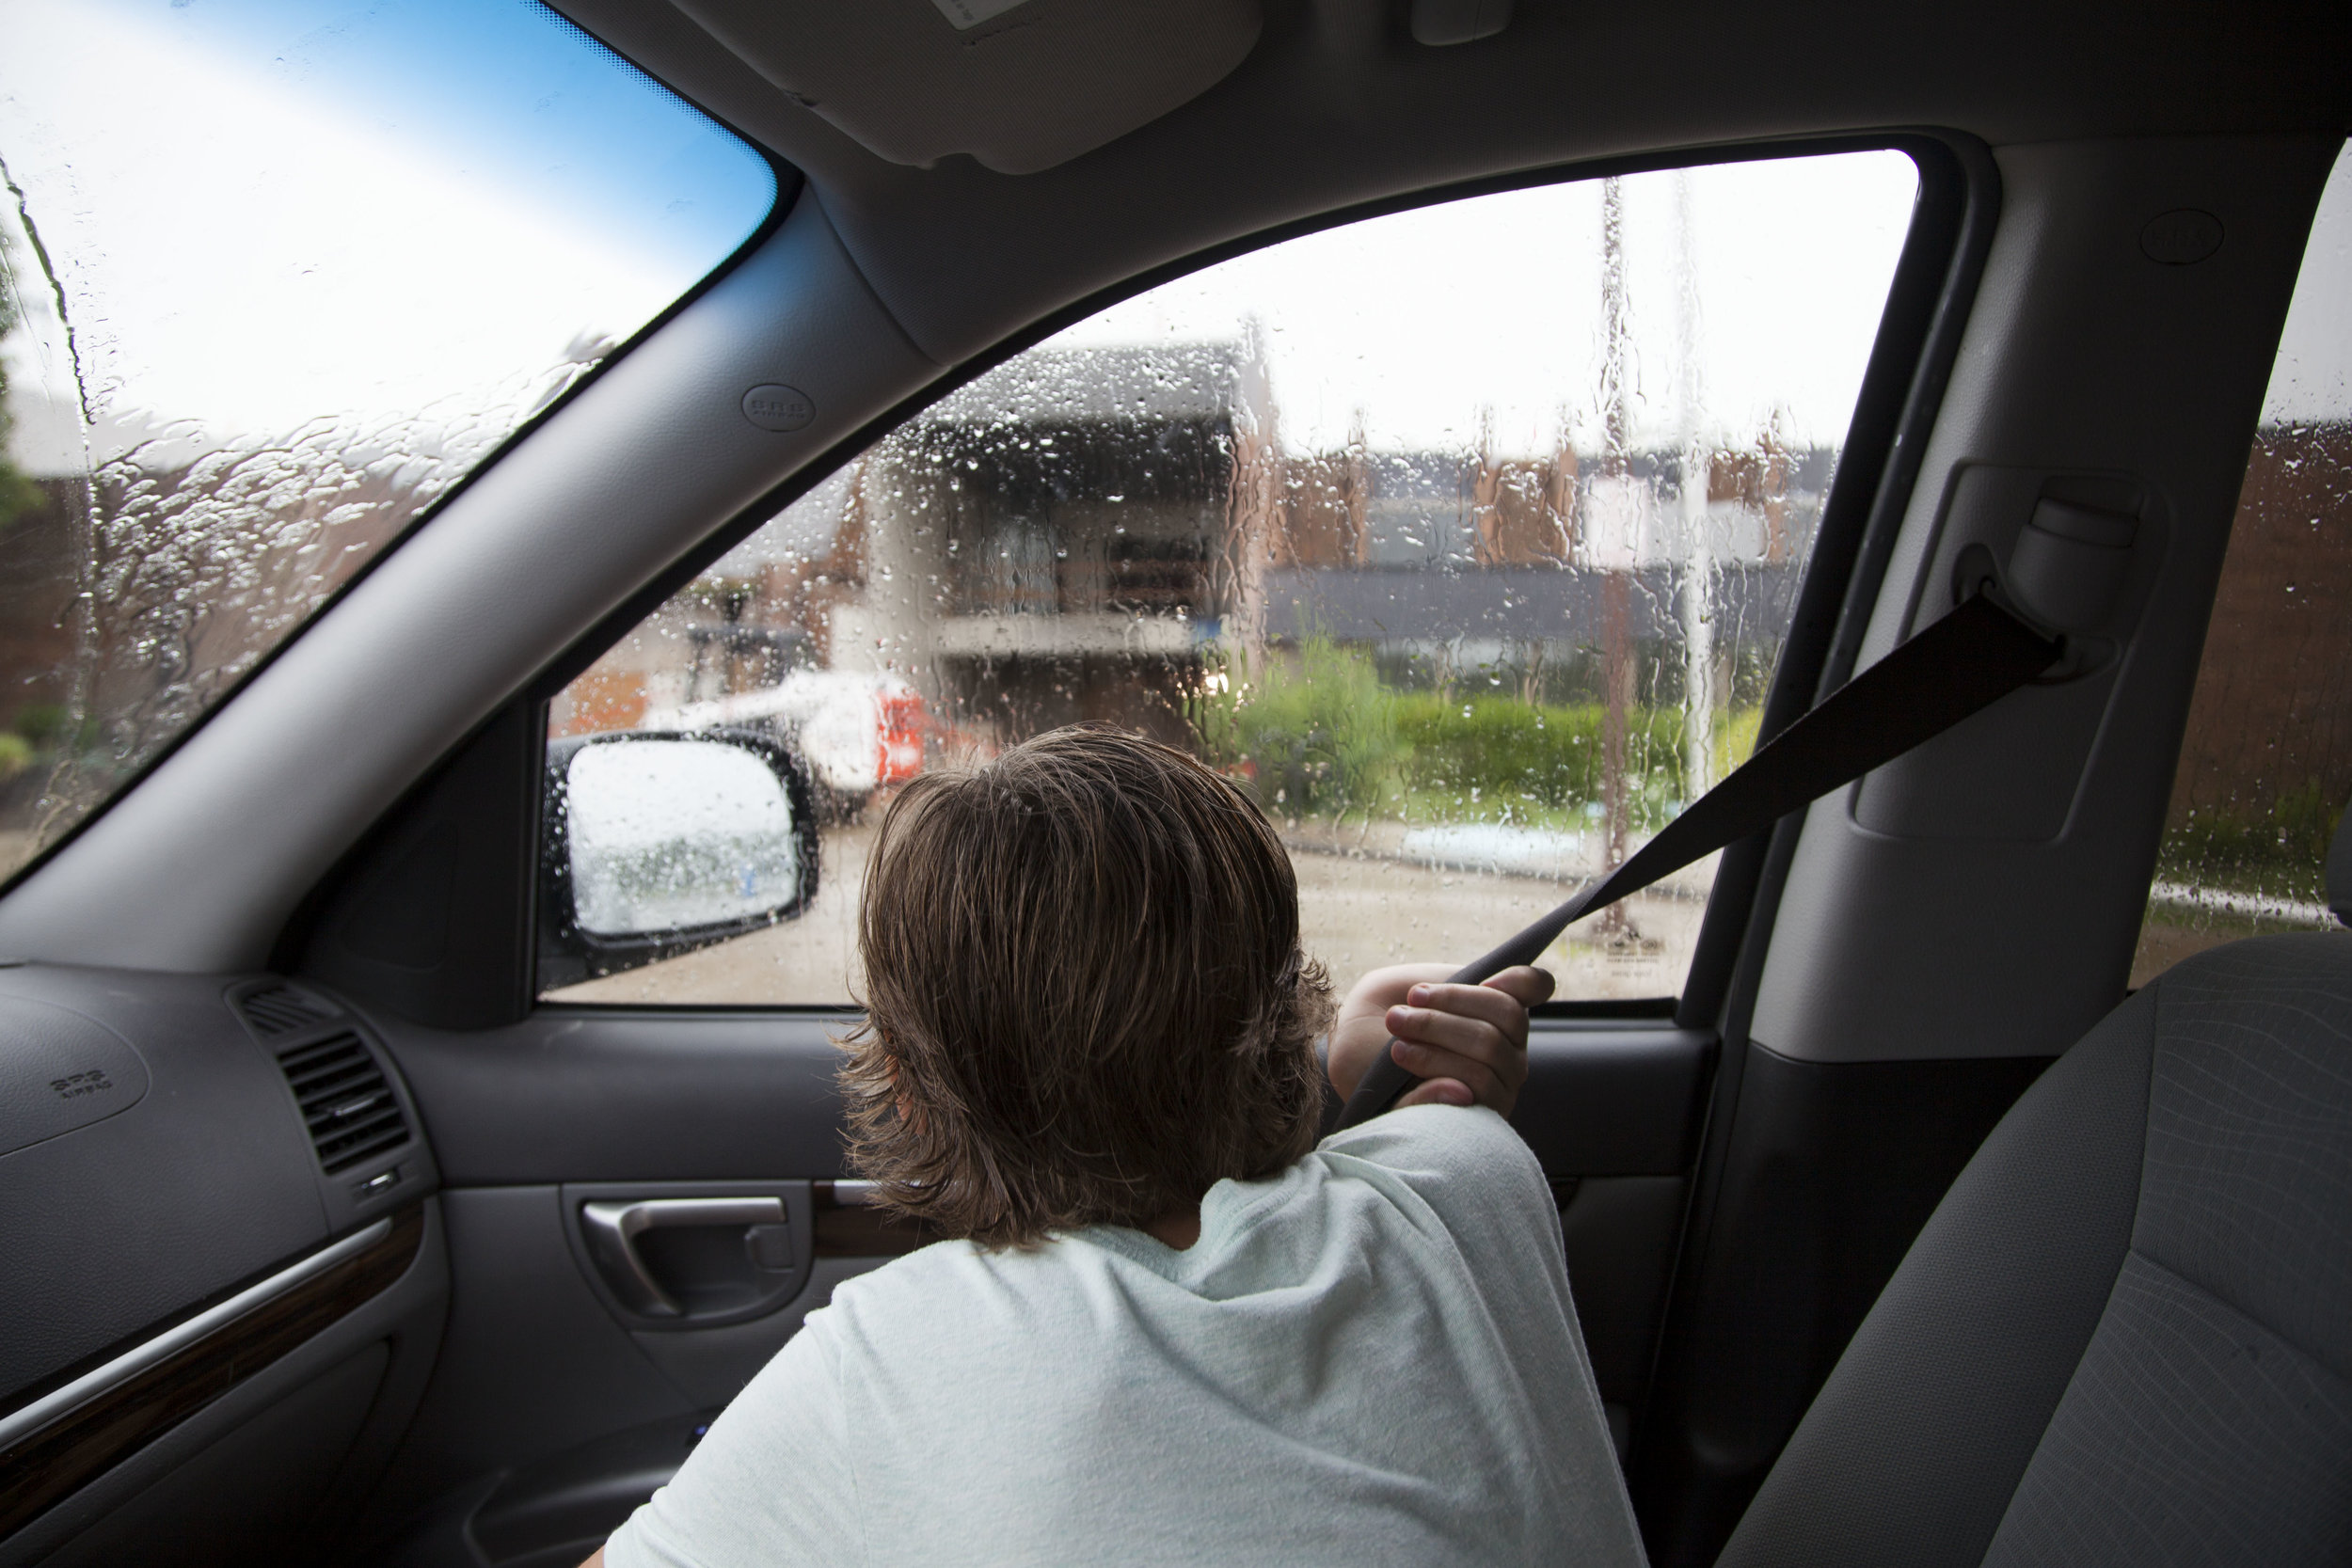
[
  {"x": 273, "y": 1009},
  {"x": 346, "y": 1104}
]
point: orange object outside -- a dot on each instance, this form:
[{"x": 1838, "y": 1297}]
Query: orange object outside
[{"x": 903, "y": 723}]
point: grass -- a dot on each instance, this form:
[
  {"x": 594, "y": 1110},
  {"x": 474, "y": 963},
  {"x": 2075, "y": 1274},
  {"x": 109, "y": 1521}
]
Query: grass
[{"x": 2279, "y": 851}]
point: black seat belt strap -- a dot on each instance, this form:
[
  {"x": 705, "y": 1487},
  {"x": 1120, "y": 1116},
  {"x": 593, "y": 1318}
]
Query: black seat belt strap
[{"x": 1964, "y": 663}]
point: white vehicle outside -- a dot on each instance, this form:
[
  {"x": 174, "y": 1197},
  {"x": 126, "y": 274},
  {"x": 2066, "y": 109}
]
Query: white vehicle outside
[{"x": 856, "y": 732}]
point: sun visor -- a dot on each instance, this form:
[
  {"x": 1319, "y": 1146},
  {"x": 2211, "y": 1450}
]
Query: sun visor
[{"x": 1020, "y": 85}]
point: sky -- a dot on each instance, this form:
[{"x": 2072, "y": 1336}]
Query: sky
[
  {"x": 2312, "y": 377},
  {"x": 1424, "y": 318},
  {"x": 266, "y": 211},
  {"x": 1777, "y": 270}
]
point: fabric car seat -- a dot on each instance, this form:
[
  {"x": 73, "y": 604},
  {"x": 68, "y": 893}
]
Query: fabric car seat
[{"x": 2126, "y": 1336}]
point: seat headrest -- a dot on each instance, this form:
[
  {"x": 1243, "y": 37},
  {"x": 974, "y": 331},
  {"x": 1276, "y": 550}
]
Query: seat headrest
[{"x": 2339, "y": 872}]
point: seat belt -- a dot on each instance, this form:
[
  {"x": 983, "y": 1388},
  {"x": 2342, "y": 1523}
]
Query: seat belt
[{"x": 1971, "y": 659}]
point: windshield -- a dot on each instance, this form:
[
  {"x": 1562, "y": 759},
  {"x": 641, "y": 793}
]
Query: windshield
[{"x": 274, "y": 276}]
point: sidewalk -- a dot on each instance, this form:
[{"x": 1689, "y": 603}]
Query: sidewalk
[{"x": 1487, "y": 848}]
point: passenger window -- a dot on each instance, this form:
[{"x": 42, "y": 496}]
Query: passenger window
[
  {"x": 1466, "y": 537},
  {"x": 2266, "y": 760}
]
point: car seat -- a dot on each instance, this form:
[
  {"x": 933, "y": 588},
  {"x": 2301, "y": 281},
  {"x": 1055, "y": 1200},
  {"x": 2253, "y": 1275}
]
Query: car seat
[{"x": 2125, "y": 1334}]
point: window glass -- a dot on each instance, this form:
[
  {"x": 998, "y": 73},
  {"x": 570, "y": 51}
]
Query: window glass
[
  {"x": 1466, "y": 536},
  {"x": 2266, "y": 761},
  {"x": 273, "y": 276}
]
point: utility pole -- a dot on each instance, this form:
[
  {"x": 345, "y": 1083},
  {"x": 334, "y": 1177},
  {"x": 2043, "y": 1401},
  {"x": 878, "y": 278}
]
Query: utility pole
[
  {"x": 1616, "y": 587},
  {"x": 1698, "y": 569}
]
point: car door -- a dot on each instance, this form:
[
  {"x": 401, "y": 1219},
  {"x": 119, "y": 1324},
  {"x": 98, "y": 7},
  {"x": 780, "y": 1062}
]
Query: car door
[{"x": 1464, "y": 620}]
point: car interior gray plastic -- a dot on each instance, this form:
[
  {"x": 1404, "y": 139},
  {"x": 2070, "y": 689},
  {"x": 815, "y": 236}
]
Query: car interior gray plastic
[
  {"x": 1888, "y": 947},
  {"x": 532, "y": 1364},
  {"x": 1337, "y": 105},
  {"x": 389, "y": 1179},
  {"x": 1956, "y": 1371},
  {"x": 159, "y": 1348},
  {"x": 582, "y": 1093},
  {"x": 61, "y": 1071},
  {"x": 208, "y": 1183},
  {"x": 240, "y": 1464},
  {"x": 430, "y": 915},
  {"x": 701, "y": 1095},
  {"x": 1805, "y": 1207},
  {"x": 2068, "y": 564},
  {"x": 1620, "y": 1233},
  {"x": 247, "y": 1497},
  {"x": 1442, "y": 24},
  {"x": 564, "y": 1506},
  {"x": 793, "y": 1201},
  {"x": 2042, "y": 735},
  {"x": 199, "y": 867},
  {"x": 1612, "y": 1099},
  {"x": 913, "y": 80}
]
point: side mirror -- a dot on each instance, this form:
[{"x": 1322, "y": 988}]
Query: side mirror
[{"x": 657, "y": 844}]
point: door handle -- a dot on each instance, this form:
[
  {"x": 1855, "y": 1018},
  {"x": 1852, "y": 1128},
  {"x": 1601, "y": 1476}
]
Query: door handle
[{"x": 611, "y": 1229}]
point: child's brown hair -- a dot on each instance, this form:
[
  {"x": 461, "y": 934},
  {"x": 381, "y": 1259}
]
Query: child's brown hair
[{"x": 1087, "y": 1000}]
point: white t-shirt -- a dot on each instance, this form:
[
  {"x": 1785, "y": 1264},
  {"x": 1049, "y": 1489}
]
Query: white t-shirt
[{"x": 1368, "y": 1359}]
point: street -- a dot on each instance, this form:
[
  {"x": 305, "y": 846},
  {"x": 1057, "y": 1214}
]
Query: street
[{"x": 1359, "y": 908}]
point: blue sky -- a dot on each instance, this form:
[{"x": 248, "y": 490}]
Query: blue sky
[
  {"x": 1754, "y": 292},
  {"x": 267, "y": 213},
  {"x": 507, "y": 91}
]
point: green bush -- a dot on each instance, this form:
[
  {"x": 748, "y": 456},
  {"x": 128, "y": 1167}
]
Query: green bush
[
  {"x": 1547, "y": 756},
  {"x": 1319, "y": 741},
  {"x": 16, "y": 754},
  {"x": 42, "y": 725},
  {"x": 2250, "y": 850},
  {"x": 1326, "y": 737}
]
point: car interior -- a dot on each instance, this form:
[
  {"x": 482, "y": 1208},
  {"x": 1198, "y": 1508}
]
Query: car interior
[{"x": 430, "y": 899}]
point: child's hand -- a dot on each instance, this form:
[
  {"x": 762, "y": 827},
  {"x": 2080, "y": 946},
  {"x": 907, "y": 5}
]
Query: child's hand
[{"x": 1470, "y": 1043}]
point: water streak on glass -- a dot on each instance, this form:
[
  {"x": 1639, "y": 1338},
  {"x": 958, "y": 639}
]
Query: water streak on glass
[
  {"x": 272, "y": 280},
  {"x": 1465, "y": 538}
]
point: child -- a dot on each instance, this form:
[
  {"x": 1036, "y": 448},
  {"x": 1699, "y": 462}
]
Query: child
[{"x": 1174, "y": 1329}]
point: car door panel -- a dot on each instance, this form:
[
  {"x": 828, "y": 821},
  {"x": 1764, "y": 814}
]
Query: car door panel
[
  {"x": 549, "y": 1371},
  {"x": 622, "y": 1095}
]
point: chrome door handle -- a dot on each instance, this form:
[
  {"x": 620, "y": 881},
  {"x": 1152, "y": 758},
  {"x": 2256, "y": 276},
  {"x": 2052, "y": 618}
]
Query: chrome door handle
[{"x": 612, "y": 1230}]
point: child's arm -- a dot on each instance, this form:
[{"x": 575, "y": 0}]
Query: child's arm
[{"x": 1470, "y": 1043}]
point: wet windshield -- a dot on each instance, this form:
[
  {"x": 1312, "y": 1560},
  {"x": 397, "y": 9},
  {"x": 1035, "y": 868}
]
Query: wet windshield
[{"x": 274, "y": 277}]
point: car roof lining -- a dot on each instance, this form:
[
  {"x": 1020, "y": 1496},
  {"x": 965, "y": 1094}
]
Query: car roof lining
[{"x": 1336, "y": 106}]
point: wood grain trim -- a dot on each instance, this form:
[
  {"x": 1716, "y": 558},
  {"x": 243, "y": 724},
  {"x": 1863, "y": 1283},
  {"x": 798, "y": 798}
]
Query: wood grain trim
[
  {"x": 50, "y": 1463},
  {"x": 846, "y": 1225}
]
